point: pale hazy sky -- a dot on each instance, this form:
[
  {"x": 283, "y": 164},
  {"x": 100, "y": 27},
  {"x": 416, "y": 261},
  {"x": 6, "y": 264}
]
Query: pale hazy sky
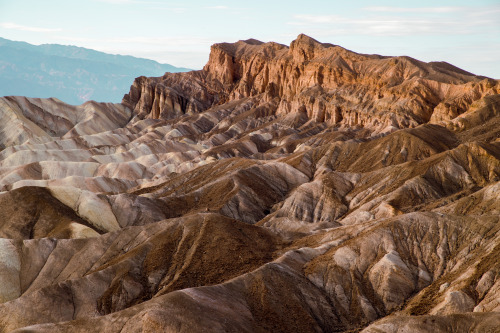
[{"x": 464, "y": 33}]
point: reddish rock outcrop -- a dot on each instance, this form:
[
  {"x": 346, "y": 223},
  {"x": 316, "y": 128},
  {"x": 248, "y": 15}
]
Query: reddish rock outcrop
[{"x": 326, "y": 82}]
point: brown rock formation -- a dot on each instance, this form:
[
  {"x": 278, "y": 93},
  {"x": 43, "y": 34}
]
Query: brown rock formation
[
  {"x": 304, "y": 188},
  {"x": 327, "y": 82}
]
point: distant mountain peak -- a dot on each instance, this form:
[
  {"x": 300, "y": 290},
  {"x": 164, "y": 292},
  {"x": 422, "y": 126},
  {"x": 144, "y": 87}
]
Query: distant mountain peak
[{"x": 73, "y": 74}]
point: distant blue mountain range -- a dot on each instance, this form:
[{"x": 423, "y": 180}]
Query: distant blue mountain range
[{"x": 69, "y": 73}]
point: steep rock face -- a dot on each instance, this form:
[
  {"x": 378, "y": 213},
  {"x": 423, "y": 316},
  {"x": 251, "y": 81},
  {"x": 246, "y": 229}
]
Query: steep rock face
[
  {"x": 271, "y": 191},
  {"x": 326, "y": 82}
]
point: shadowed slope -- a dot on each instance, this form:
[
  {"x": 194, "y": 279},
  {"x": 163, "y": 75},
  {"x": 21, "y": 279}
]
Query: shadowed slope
[
  {"x": 304, "y": 188},
  {"x": 130, "y": 266}
]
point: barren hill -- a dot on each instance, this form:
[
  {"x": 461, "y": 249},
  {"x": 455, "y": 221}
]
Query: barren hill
[{"x": 280, "y": 189}]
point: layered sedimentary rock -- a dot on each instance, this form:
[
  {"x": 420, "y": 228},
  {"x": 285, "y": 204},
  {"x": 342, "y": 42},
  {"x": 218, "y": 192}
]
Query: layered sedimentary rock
[
  {"x": 304, "y": 188},
  {"x": 326, "y": 82}
]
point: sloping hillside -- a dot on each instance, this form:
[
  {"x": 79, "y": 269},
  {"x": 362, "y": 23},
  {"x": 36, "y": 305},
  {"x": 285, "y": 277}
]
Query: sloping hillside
[{"x": 280, "y": 189}]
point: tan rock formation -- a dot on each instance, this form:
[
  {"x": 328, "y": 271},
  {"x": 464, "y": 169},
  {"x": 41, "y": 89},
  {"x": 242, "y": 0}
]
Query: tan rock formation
[
  {"x": 280, "y": 189},
  {"x": 327, "y": 82}
]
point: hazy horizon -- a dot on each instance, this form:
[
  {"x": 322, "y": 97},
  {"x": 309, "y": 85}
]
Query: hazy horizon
[{"x": 180, "y": 33}]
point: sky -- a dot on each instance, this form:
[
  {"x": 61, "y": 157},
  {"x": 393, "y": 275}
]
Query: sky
[{"x": 463, "y": 33}]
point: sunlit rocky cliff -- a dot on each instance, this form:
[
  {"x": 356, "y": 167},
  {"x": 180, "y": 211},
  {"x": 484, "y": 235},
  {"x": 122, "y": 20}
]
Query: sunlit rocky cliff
[{"x": 280, "y": 189}]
